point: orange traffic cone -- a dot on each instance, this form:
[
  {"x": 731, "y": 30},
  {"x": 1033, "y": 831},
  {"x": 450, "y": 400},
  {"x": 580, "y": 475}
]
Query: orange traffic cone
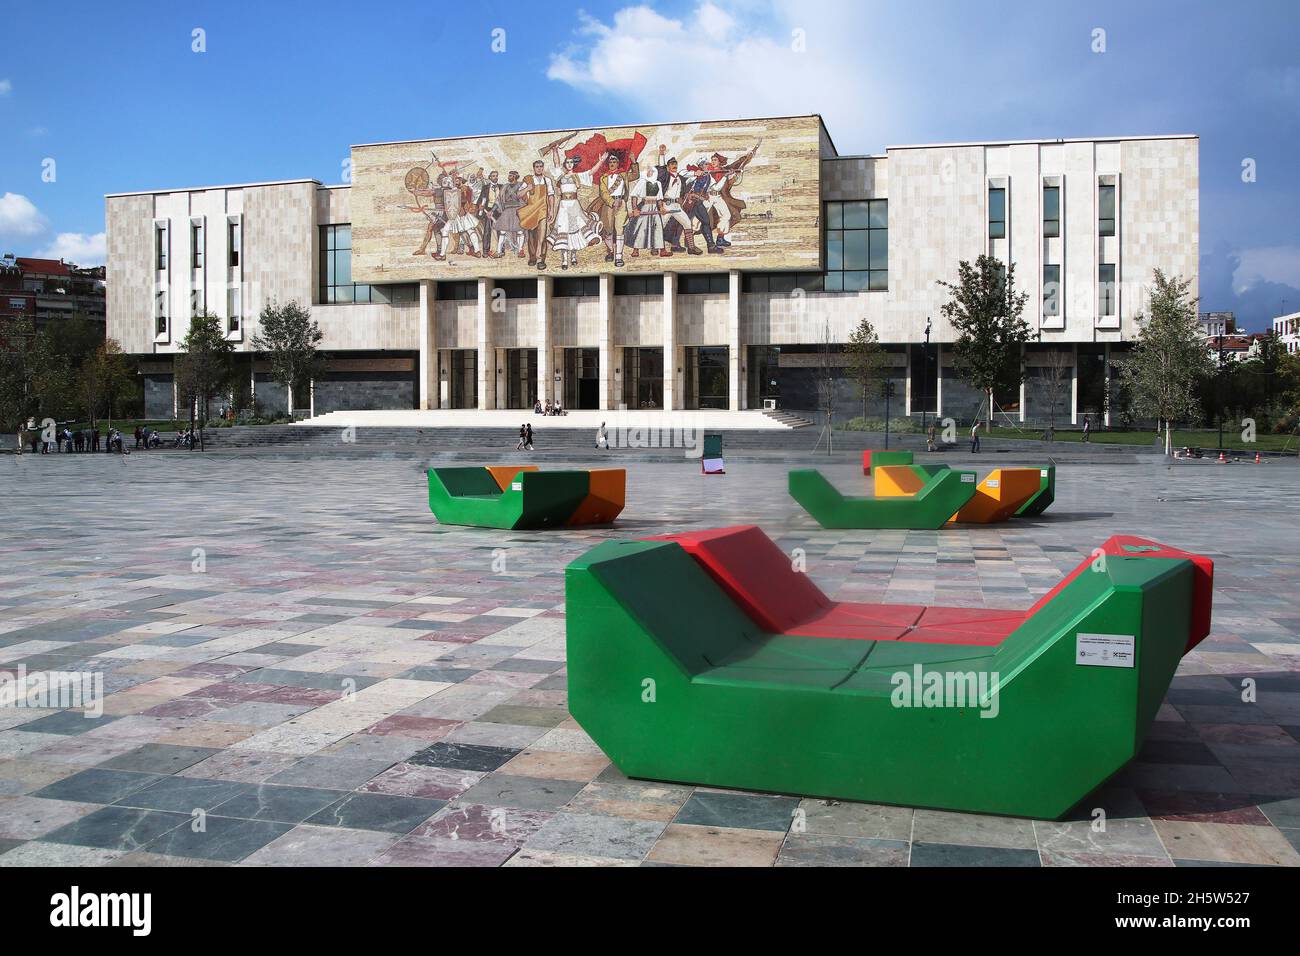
[
  {"x": 1257, "y": 458},
  {"x": 1222, "y": 460}
]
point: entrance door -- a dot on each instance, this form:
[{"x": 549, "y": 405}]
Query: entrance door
[
  {"x": 464, "y": 378},
  {"x": 643, "y": 377},
  {"x": 521, "y": 378},
  {"x": 707, "y": 377},
  {"x": 582, "y": 378}
]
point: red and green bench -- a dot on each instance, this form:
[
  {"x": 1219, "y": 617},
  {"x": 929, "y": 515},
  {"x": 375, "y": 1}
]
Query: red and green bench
[
  {"x": 519, "y": 498},
  {"x": 706, "y": 658}
]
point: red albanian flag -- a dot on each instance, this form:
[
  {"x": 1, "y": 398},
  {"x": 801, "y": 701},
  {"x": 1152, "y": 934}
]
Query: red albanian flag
[{"x": 590, "y": 152}]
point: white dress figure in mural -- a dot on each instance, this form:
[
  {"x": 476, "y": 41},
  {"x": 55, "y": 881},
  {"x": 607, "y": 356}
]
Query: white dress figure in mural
[
  {"x": 573, "y": 228},
  {"x": 647, "y": 214}
]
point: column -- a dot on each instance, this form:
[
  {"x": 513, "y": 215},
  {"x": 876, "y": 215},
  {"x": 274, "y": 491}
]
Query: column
[
  {"x": 487, "y": 373},
  {"x": 545, "y": 390},
  {"x": 1074, "y": 386},
  {"x": 605, "y": 337},
  {"x": 735, "y": 350},
  {"x": 672, "y": 397},
  {"x": 429, "y": 391}
]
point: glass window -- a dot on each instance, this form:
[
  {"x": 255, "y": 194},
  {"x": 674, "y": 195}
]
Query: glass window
[
  {"x": 1051, "y": 212},
  {"x": 397, "y": 292},
  {"x": 638, "y": 285},
  {"x": 703, "y": 283},
  {"x": 857, "y": 249},
  {"x": 463, "y": 291},
  {"x": 1051, "y": 290},
  {"x": 997, "y": 212},
  {"x": 160, "y": 248},
  {"x": 160, "y": 314},
  {"x": 573, "y": 287},
  {"x": 517, "y": 288},
  {"x": 233, "y": 242},
  {"x": 232, "y": 310},
  {"x": 1106, "y": 289},
  {"x": 336, "y": 266},
  {"x": 1106, "y": 210},
  {"x": 196, "y": 245}
]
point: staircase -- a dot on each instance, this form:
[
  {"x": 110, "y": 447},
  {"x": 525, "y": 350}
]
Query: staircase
[{"x": 789, "y": 419}]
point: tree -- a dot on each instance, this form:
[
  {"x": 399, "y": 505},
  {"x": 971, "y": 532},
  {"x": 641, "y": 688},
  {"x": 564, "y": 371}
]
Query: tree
[
  {"x": 866, "y": 358},
  {"x": 1058, "y": 379},
  {"x": 828, "y": 371},
  {"x": 290, "y": 338},
  {"x": 203, "y": 367},
  {"x": 17, "y": 372},
  {"x": 1168, "y": 358},
  {"x": 985, "y": 311},
  {"x": 104, "y": 378}
]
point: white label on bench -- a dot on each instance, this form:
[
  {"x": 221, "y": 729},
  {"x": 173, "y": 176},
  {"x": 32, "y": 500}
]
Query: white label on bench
[
  {"x": 969, "y": 479},
  {"x": 994, "y": 483},
  {"x": 1105, "y": 650},
  {"x": 1043, "y": 473},
  {"x": 516, "y": 486}
]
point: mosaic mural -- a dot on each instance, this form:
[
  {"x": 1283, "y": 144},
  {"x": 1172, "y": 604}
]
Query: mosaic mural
[{"x": 710, "y": 196}]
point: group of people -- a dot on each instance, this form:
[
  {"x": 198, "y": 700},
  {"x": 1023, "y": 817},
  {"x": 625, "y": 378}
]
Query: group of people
[
  {"x": 548, "y": 407},
  {"x": 65, "y": 440},
  {"x": 656, "y": 209}
]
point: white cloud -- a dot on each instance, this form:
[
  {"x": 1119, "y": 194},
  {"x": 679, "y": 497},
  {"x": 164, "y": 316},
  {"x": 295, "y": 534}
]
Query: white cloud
[
  {"x": 733, "y": 64},
  {"x": 5, "y": 87},
  {"x": 80, "y": 248},
  {"x": 20, "y": 219},
  {"x": 1280, "y": 264}
]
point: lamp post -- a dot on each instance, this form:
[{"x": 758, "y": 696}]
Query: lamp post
[{"x": 925, "y": 374}]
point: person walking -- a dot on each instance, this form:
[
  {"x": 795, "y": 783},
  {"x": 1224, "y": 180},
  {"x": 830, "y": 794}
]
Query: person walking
[
  {"x": 1087, "y": 428},
  {"x": 523, "y": 437},
  {"x": 602, "y": 438},
  {"x": 94, "y": 439},
  {"x": 929, "y": 438},
  {"x": 975, "y": 437},
  {"x": 528, "y": 436}
]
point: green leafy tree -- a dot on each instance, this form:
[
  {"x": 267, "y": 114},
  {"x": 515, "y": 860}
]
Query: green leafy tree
[
  {"x": 291, "y": 339},
  {"x": 204, "y": 365},
  {"x": 866, "y": 360},
  {"x": 105, "y": 378},
  {"x": 985, "y": 312},
  {"x": 1168, "y": 358},
  {"x": 18, "y": 357}
]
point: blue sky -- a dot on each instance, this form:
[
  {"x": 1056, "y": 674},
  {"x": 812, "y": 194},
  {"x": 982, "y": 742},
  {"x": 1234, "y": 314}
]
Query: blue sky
[{"x": 115, "y": 96}]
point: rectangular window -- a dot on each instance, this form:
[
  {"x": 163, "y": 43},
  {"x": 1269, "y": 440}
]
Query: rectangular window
[
  {"x": 398, "y": 292},
  {"x": 234, "y": 240},
  {"x": 781, "y": 283},
  {"x": 997, "y": 212},
  {"x": 703, "y": 283},
  {"x": 1106, "y": 289},
  {"x": 160, "y": 248},
  {"x": 196, "y": 302},
  {"x": 160, "y": 314},
  {"x": 1051, "y": 212},
  {"x": 1106, "y": 210},
  {"x": 232, "y": 311},
  {"x": 857, "y": 248},
  {"x": 465, "y": 290},
  {"x": 638, "y": 285},
  {"x": 1051, "y": 290},
  {"x": 573, "y": 287},
  {"x": 196, "y": 245},
  {"x": 336, "y": 283},
  {"x": 517, "y": 288}
]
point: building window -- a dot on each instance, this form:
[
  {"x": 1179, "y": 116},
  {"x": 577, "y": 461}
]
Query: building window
[
  {"x": 1051, "y": 290},
  {"x": 638, "y": 285},
  {"x": 1051, "y": 212},
  {"x": 517, "y": 288},
  {"x": 465, "y": 290},
  {"x": 196, "y": 302},
  {"x": 574, "y": 287},
  {"x": 782, "y": 283},
  {"x": 234, "y": 240},
  {"x": 160, "y": 314},
  {"x": 997, "y": 212},
  {"x": 336, "y": 283},
  {"x": 196, "y": 245},
  {"x": 160, "y": 248},
  {"x": 396, "y": 293},
  {"x": 857, "y": 246},
  {"x": 703, "y": 283},
  {"x": 1106, "y": 289},
  {"x": 1106, "y": 210},
  {"x": 232, "y": 311}
]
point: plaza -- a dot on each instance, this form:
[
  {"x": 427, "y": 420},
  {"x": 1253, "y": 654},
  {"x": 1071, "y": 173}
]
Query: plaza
[{"x": 332, "y": 677}]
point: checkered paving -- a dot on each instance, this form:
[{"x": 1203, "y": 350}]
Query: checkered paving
[{"x": 300, "y": 666}]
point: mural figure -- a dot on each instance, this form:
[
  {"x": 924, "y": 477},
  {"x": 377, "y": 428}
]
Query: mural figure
[
  {"x": 536, "y": 214},
  {"x": 679, "y": 228},
  {"x": 461, "y": 214},
  {"x": 505, "y": 213},
  {"x": 574, "y": 227},
  {"x": 647, "y": 214},
  {"x": 718, "y": 177}
]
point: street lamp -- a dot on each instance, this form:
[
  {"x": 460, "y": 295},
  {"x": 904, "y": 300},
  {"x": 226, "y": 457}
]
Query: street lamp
[{"x": 925, "y": 374}]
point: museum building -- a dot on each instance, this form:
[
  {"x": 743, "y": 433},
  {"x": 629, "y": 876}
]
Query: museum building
[{"x": 708, "y": 264}]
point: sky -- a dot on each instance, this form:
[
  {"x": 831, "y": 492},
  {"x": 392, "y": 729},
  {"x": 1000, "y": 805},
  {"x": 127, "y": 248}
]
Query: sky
[{"x": 98, "y": 98}]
